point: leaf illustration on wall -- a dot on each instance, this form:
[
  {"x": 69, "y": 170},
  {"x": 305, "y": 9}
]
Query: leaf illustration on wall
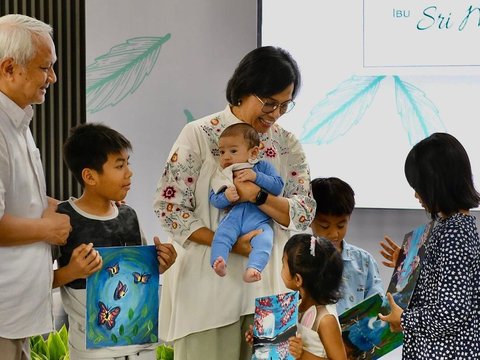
[
  {"x": 420, "y": 116},
  {"x": 341, "y": 109},
  {"x": 188, "y": 115},
  {"x": 121, "y": 71}
]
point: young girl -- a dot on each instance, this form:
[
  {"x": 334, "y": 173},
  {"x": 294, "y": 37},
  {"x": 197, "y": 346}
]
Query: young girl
[
  {"x": 442, "y": 320},
  {"x": 313, "y": 267}
]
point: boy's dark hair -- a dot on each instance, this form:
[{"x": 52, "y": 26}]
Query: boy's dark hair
[
  {"x": 438, "y": 169},
  {"x": 264, "y": 71},
  {"x": 89, "y": 145},
  {"x": 250, "y": 135},
  {"x": 322, "y": 273},
  {"x": 333, "y": 196}
]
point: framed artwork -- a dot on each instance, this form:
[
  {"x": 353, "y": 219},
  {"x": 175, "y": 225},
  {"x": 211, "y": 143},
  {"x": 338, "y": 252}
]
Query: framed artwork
[
  {"x": 122, "y": 298},
  {"x": 275, "y": 320}
]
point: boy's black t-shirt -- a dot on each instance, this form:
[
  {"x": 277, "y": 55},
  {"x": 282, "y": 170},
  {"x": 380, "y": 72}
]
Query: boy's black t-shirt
[{"x": 123, "y": 230}]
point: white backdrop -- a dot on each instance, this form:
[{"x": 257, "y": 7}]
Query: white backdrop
[{"x": 388, "y": 85}]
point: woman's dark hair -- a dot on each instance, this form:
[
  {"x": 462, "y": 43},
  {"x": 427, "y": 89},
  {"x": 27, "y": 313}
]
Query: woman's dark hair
[
  {"x": 89, "y": 145},
  {"x": 322, "y": 273},
  {"x": 333, "y": 196},
  {"x": 265, "y": 71},
  {"x": 439, "y": 170}
]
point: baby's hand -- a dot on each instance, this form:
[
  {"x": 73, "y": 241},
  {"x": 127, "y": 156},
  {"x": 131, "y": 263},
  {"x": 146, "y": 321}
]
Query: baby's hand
[
  {"x": 85, "y": 261},
  {"x": 232, "y": 194},
  {"x": 246, "y": 175},
  {"x": 295, "y": 346},
  {"x": 249, "y": 336}
]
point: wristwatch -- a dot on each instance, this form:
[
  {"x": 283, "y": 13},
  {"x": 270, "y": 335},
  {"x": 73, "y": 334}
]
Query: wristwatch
[{"x": 261, "y": 197}]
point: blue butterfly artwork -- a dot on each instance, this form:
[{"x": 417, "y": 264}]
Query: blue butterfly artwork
[
  {"x": 107, "y": 316},
  {"x": 140, "y": 278},
  {"x": 120, "y": 291},
  {"x": 113, "y": 270},
  {"x": 123, "y": 298}
]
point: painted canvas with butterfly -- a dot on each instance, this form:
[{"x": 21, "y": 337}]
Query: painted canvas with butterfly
[
  {"x": 366, "y": 336},
  {"x": 122, "y": 298},
  {"x": 274, "y": 321}
]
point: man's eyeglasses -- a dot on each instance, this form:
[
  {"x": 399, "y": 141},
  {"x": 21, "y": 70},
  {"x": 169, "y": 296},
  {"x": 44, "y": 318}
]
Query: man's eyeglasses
[{"x": 269, "y": 107}]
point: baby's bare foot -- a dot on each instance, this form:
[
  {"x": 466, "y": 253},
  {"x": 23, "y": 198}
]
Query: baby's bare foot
[
  {"x": 251, "y": 275},
  {"x": 220, "y": 267}
]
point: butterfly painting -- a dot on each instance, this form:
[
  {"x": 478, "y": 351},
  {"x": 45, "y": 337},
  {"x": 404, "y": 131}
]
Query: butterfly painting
[
  {"x": 107, "y": 316},
  {"x": 140, "y": 278},
  {"x": 129, "y": 275},
  {"x": 120, "y": 291},
  {"x": 113, "y": 270}
]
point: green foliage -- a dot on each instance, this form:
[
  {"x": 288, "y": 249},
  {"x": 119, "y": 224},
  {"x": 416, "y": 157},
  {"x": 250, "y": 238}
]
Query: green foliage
[
  {"x": 55, "y": 347},
  {"x": 164, "y": 352}
]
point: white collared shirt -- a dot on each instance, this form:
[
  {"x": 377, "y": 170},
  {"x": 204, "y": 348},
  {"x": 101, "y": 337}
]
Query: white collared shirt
[{"x": 26, "y": 271}]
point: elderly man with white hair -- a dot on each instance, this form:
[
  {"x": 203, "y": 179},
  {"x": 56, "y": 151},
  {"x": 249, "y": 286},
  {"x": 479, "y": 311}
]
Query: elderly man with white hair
[{"x": 29, "y": 223}]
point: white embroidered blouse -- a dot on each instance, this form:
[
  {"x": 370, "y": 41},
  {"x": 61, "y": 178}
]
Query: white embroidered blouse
[{"x": 194, "y": 298}]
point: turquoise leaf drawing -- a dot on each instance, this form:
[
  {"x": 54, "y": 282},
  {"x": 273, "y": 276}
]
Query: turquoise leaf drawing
[
  {"x": 188, "y": 115},
  {"x": 340, "y": 110},
  {"x": 120, "y": 72},
  {"x": 419, "y": 115}
]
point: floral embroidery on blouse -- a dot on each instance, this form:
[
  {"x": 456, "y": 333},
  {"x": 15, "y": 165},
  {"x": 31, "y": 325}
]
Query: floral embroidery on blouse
[{"x": 175, "y": 198}]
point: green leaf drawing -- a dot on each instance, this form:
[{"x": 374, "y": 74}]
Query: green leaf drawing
[
  {"x": 120, "y": 72},
  {"x": 130, "y": 314},
  {"x": 188, "y": 115},
  {"x": 149, "y": 325},
  {"x": 144, "y": 311},
  {"x": 114, "y": 338},
  {"x": 121, "y": 330},
  {"x": 153, "y": 338},
  {"x": 135, "y": 330}
]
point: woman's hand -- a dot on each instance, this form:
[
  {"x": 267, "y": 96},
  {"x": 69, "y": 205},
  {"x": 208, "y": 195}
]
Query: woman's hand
[
  {"x": 247, "y": 190},
  {"x": 395, "y": 315},
  {"x": 242, "y": 246},
  {"x": 166, "y": 255},
  {"x": 295, "y": 346},
  {"x": 245, "y": 175},
  {"x": 390, "y": 251}
]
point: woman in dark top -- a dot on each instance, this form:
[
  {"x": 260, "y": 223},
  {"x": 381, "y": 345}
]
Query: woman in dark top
[{"x": 442, "y": 320}]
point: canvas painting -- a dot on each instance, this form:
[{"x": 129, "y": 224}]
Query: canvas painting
[
  {"x": 407, "y": 268},
  {"x": 366, "y": 336},
  {"x": 275, "y": 320},
  {"x": 122, "y": 298}
]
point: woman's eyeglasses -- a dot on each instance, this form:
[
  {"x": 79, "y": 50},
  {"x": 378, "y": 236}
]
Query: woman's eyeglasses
[{"x": 269, "y": 107}]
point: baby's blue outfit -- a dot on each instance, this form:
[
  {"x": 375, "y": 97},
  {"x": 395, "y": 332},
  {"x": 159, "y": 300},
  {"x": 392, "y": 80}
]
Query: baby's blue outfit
[{"x": 245, "y": 217}]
